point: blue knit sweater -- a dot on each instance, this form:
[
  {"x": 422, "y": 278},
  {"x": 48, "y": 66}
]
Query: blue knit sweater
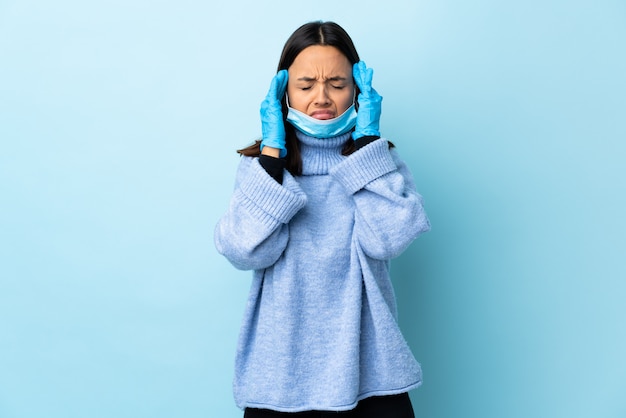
[{"x": 320, "y": 328}]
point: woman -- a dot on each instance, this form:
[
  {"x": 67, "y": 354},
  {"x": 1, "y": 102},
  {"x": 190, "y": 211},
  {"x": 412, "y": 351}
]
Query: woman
[{"x": 321, "y": 204}]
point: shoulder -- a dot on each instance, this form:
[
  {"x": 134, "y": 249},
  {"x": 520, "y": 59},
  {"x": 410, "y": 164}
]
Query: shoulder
[{"x": 246, "y": 167}]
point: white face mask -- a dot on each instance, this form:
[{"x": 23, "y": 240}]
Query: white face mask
[{"x": 322, "y": 128}]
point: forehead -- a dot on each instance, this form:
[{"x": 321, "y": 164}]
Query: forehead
[{"x": 320, "y": 60}]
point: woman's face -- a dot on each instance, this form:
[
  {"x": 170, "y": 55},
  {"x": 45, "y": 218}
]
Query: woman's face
[{"x": 320, "y": 82}]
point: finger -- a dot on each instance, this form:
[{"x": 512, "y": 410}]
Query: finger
[
  {"x": 276, "y": 84},
  {"x": 281, "y": 79},
  {"x": 367, "y": 78},
  {"x": 363, "y": 76},
  {"x": 357, "y": 73}
]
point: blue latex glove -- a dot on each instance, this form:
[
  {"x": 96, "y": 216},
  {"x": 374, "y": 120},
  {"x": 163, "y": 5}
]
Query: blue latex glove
[
  {"x": 368, "y": 115},
  {"x": 272, "y": 124}
]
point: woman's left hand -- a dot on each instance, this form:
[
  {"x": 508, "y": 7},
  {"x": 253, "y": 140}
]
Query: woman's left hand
[{"x": 368, "y": 114}]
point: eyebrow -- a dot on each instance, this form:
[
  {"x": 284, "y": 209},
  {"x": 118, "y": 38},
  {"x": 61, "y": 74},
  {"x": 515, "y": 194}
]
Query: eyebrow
[{"x": 310, "y": 79}]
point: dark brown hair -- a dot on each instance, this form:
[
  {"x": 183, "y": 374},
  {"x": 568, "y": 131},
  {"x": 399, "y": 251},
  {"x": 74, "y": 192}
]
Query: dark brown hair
[{"x": 309, "y": 34}]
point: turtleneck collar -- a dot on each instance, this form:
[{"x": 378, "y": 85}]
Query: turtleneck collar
[{"x": 319, "y": 155}]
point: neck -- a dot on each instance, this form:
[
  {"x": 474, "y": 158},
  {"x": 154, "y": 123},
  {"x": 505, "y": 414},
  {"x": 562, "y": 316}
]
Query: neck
[{"x": 319, "y": 155}]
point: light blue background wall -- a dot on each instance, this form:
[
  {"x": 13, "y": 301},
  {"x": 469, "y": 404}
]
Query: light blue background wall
[{"x": 118, "y": 122}]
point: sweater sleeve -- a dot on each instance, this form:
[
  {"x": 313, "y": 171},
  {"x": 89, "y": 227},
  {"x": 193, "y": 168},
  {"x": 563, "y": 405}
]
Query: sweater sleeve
[
  {"x": 253, "y": 232},
  {"x": 389, "y": 210}
]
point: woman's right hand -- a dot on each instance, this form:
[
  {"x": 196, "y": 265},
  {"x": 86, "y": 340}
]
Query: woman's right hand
[{"x": 272, "y": 124}]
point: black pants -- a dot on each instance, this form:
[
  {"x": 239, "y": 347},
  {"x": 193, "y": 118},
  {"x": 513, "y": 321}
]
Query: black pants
[{"x": 394, "y": 406}]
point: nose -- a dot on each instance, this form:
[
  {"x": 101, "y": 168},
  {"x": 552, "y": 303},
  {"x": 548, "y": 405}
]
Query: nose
[{"x": 321, "y": 95}]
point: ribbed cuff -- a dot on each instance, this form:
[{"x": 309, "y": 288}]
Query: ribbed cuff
[
  {"x": 267, "y": 199},
  {"x": 362, "y": 167}
]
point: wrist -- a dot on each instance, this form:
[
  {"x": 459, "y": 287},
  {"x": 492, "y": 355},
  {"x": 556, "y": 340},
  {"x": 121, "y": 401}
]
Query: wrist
[
  {"x": 364, "y": 140},
  {"x": 270, "y": 151},
  {"x": 273, "y": 166}
]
